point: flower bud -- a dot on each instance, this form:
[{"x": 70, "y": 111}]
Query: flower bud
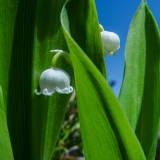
[{"x": 111, "y": 42}]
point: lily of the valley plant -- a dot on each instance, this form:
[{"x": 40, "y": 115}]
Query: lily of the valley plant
[{"x": 35, "y": 84}]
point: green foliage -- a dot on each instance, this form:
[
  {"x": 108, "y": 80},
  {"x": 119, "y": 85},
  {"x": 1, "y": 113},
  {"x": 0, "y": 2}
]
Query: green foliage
[
  {"x": 99, "y": 111},
  {"x": 27, "y": 36},
  {"x": 111, "y": 129},
  {"x": 140, "y": 94},
  {"x": 133, "y": 83}
]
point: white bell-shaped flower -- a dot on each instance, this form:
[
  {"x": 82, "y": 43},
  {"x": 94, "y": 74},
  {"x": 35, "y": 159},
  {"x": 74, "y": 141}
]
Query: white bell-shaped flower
[
  {"x": 111, "y": 42},
  {"x": 54, "y": 79}
]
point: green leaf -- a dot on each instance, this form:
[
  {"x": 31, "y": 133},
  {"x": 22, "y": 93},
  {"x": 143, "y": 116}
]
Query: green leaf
[
  {"x": 47, "y": 112},
  {"x": 148, "y": 122},
  {"x": 132, "y": 88},
  {"x": 105, "y": 130},
  {"x": 5, "y": 145},
  {"x": 29, "y": 30},
  {"x": 140, "y": 94}
]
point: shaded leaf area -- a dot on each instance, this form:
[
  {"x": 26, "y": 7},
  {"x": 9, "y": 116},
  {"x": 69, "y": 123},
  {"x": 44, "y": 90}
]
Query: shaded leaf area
[
  {"x": 140, "y": 92},
  {"x": 7, "y": 24},
  {"x": 106, "y": 133},
  {"x": 5, "y": 145},
  {"x": 29, "y": 30},
  {"x": 20, "y": 80}
]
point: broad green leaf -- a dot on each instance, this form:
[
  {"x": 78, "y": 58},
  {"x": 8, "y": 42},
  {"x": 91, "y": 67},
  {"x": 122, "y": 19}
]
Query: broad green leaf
[
  {"x": 132, "y": 88},
  {"x": 105, "y": 130},
  {"x": 148, "y": 122},
  {"x": 140, "y": 94},
  {"x": 47, "y": 113},
  {"x": 28, "y": 31},
  {"x": 5, "y": 145}
]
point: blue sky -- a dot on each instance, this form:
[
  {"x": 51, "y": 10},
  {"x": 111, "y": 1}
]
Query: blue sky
[{"x": 116, "y": 16}]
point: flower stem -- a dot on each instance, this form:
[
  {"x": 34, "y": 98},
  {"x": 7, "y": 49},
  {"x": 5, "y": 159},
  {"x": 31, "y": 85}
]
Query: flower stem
[{"x": 58, "y": 54}]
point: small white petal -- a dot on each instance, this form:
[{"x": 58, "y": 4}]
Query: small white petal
[
  {"x": 70, "y": 89},
  {"x": 65, "y": 90},
  {"x": 111, "y": 42},
  {"x": 37, "y": 93},
  {"x": 46, "y": 93}
]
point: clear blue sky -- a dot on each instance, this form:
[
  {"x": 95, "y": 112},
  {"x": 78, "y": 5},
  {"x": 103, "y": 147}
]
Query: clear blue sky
[{"x": 116, "y": 16}]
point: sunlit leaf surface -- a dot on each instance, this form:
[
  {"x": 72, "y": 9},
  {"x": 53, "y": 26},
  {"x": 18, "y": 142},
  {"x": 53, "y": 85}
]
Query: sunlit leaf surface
[{"x": 105, "y": 130}]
